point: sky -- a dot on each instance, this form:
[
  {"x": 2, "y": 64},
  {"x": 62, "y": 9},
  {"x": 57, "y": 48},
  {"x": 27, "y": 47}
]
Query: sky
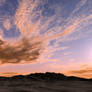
[{"x": 46, "y": 36}]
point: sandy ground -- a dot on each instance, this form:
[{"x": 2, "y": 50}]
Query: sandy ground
[{"x": 45, "y": 86}]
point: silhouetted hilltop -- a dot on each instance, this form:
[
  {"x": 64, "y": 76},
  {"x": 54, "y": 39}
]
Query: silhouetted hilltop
[{"x": 48, "y": 76}]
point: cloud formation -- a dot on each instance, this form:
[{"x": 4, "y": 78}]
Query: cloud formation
[
  {"x": 7, "y": 24},
  {"x": 41, "y": 26},
  {"x": 81, "y": 72},
  {"x": 25, "y": 50},
  {"x": 2, "y": 2},
  {"x": 9, "y": 74}
]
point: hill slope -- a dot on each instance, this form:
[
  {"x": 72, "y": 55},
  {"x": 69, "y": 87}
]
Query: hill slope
[{"x": 45, "y": 82}]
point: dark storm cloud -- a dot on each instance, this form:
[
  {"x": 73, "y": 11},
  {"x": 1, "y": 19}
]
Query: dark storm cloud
[{"x": 25, "y": 50}]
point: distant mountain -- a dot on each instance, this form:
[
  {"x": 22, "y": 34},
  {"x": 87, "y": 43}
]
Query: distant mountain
[{"x": 48, "y": 76}]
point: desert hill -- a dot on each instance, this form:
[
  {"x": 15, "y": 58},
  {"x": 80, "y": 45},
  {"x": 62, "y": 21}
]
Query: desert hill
[
  {"x": 49, "y": 76},
  {"x": 45, "y": 82}
]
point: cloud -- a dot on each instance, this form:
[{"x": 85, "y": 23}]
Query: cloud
[
  {"x": 25, "y": 50},
  {"x": 67, "y": 53},
  {"x": 22, "y": 20},
  {"x": 81, "y": 71},
  {"x": 2, "y": 2},
  {"x": 80, "y": 4},
  {"x": 87, "y": 73},
  {"x": 1, "y": 33},
  {"x": 42, "y": 29},
  {"x": 7, "y": 24},
  {"x": 52, "y": 27},
  {"x": 9, "y": 74}
]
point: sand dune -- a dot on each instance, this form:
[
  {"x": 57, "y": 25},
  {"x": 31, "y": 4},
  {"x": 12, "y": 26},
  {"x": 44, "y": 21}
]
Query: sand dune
[{"x": 48, "y": 82}]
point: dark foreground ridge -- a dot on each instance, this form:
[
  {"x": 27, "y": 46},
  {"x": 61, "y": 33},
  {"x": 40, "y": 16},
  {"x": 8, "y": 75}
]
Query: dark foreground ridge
[
  {"x": 48, "y": 76},
  {"x": 45, "y": 82}
]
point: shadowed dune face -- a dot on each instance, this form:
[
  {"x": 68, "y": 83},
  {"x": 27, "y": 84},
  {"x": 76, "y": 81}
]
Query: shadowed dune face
[{"x": 25, "y": 50}]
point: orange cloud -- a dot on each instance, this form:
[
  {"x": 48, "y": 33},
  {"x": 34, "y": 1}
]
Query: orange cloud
[
  {"x": 9, "y": 74},
  {"x": 25, "y": 50},
  {"x": 87, "y": 73},
  {"x": 7, "y": 24},
  {"x": 44, "y": 29},
  {"x": 81, "y": 71},
  {"x": 24, "y": 15},
  {"x": 1, "y": 33}
]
